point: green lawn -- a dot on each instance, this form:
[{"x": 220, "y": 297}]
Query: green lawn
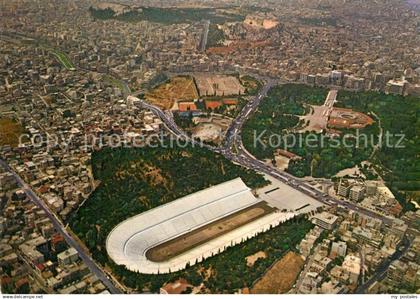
[{"x": 63, "y": 59}]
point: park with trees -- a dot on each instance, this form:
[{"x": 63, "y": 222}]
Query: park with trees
[
  {"x": 393, "y": 157},
  {"x": 133, "y": 180},
  {"x": 277, "y": 114}
]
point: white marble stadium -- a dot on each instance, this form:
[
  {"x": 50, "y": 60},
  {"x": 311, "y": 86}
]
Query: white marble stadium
[{"x": 129, "y": 241}]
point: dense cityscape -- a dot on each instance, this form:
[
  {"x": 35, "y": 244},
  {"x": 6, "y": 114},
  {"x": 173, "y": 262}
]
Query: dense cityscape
[{"x": 206, "y": 146}]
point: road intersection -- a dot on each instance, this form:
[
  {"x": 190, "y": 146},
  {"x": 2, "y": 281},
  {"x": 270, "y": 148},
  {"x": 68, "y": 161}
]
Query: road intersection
[
  {"x": 59, "y": 226},
  {"x": 233, "y": 149}
]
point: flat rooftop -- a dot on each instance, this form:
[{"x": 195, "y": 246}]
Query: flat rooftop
[
  {"x": 284, "y": 197},
  {"x": 326, "y": 217}
]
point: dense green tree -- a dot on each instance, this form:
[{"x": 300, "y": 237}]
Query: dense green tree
[{"x": 394, "y": 159}]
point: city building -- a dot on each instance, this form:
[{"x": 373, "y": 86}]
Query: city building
[
  {"x": 344, "y": 188},
  {"x": 357, "y": 193},
  {"x": 68, "y": 257},
  {"x": 338, "y": 249}
]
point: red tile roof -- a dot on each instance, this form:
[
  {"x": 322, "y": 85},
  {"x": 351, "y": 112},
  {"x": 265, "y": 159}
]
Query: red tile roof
[
  {"x": 230, "y": 101},
  {"x": 213, "y": 104}
]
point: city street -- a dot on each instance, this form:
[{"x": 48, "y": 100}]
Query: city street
[
  {"x": 58, "y": 225},
  {"x": 242, "y": 157}
]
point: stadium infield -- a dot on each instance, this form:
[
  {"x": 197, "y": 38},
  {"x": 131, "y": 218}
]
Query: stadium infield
[{"x": 183, "y": 243}]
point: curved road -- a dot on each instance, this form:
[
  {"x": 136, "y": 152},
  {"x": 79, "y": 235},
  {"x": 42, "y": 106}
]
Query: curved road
[{"x": 243, "y": 157}]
